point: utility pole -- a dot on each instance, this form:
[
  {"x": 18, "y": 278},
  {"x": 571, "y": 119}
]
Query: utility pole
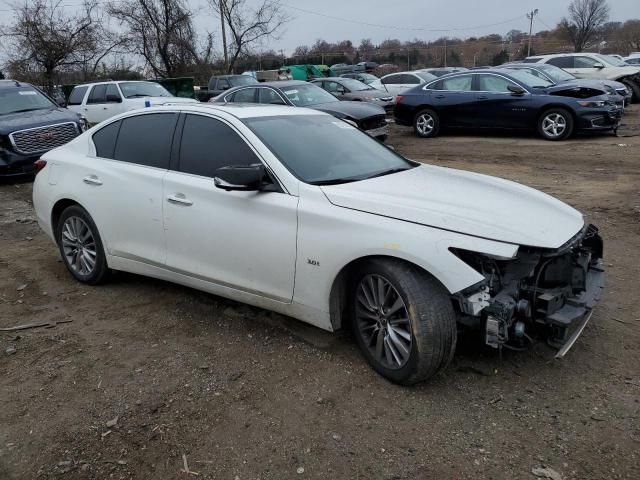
[
  {"x": 224, "y": 36},
  {"x": 530, "y": 16},
  {"x": 445, "y": 52},
  {"x": 408, "y": 60}
]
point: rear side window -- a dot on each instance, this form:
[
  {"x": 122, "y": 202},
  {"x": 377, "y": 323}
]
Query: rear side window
[
  {"x": 208, "y": 144},
  {"x": 392, "y": 80},
  {"x": 98, "y": 94},
  {"x": 146, "y": 139},
  {"x": 561, "y": 62},
  {"x": 77, "y": 95},
  {"x": 410, "y": 79},
  {"x": 105, "y": 140},
  {"x": 246, "y": 95}
]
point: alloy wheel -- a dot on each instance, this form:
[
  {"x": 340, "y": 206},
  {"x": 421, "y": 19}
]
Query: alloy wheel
[
  {"x": 554, "y": 125},
  {"x": 383, "y": 321},
  {"x": 425, "y": 124},
  {"x": 79, "y": 245}
]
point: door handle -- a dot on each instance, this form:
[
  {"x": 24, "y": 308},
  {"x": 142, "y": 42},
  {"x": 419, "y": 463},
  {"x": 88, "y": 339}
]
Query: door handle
[
  {"x": 483, "y": 97},
  {"x": 179, "y": 199},
  {"x": 92, "y": 180},
  {"x": 440, "y": 96}
]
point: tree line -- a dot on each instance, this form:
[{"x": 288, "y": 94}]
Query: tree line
[{"x": 49, "y": 44}]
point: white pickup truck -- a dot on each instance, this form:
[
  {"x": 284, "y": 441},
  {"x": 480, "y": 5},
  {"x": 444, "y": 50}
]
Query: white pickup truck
[{"x": 102, "y": 100}]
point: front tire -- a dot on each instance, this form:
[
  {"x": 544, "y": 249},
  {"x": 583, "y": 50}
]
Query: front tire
[
  {"x": 426, "y": 123},
  {"x": 403, "y": 321},
  {"x": 81, "y": 246},
  {"x": 555, "y": 124}
]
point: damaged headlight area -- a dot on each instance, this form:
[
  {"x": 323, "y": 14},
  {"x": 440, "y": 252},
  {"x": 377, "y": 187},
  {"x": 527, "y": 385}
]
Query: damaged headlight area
[{"x": 540, "y": 290}]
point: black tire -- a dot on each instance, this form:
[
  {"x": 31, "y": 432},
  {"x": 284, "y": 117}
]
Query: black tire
[
  {"x": 431, "y": 325},
  {"x": 426, "y": 123},
  {"x": 634, "y": 88},
  {"x": 563, "y": 125},
  {"x": 75, "y": 219}
]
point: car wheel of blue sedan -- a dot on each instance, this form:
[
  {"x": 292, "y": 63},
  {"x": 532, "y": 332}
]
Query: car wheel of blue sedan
[
  {"x": 426, "y": 123},
  {"x": 555, "y": 124}
]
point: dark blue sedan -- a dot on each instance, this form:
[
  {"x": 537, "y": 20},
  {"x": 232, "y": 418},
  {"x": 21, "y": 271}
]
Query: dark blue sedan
[{"x": 510, "y": 99}]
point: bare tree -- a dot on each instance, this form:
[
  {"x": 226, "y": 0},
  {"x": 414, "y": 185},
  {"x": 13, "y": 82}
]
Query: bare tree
[
  {"x": 45, "y": 37},
  {"x": 586, "y": 17},
  {"x": 629, "y": 36},
  {"x": 161, "y": 31},
  {"x": 249, "y": 27}
]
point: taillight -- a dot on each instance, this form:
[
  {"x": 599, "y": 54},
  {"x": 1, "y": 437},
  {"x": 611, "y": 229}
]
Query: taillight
[
  {"x": 398, "y": 98},
  {"x": 39, "y": 165}
]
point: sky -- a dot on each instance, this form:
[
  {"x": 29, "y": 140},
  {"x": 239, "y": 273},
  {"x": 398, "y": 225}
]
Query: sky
[{"x": 335, "y": 20}]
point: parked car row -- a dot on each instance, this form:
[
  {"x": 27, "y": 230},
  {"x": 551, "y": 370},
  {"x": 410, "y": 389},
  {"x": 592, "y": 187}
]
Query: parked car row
[{"x": 248, "y": 201}]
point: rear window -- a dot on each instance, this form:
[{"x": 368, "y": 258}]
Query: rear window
[{"x": 77, "y": 95}]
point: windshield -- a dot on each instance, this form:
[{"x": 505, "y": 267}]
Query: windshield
[
  {"x": 529, "y": 80},
  {"x": 143, "y": 89},
  {"x": 353, "y": 155},
  {"x": 242, "y": 80},
  {"x": 612, "y": 60},
  {"x": 427, "y": 77},
  {"x": 557, "y": 74},
  {"x": 355, "y": 85},
  {"x": 22, "y": 99},
  {"x": 304, "y": 95}
]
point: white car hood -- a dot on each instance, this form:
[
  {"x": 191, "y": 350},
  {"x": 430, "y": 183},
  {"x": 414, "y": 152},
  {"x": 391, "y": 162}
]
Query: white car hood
[{"x": 463, "y": 202}]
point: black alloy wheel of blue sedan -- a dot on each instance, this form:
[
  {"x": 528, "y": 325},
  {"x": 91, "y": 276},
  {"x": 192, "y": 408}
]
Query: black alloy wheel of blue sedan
[{"x": 506, "y": 99}]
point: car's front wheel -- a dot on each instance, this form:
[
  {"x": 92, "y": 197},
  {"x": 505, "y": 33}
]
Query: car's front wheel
[
  {"x": 555, "y": 124},
  {"x": 81, "y": 246},
  {"x": 403, "y": 321},
  {"x": 426, "y": 123}
]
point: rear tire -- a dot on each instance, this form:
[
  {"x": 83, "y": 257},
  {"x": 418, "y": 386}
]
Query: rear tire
[
  {"x": 555, "y": 124},
  {"x": 634, "y": 89},
  {"x": 426, "y": 123},
  {"x": 403, "y": 321},
  {"x": 81, "y": 246}
]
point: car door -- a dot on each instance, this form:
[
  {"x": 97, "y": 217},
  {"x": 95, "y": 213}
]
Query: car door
[
  {"x": 98, "y": 107},
  {"x": 242, "y": 240},
  {"x": 587, "y": 67},
  {"x": 335, "y": 89},
  {"x": 122, "y": 186},
  {"x": 496, "y": 106},
  {"x": 454, "y": 100}
]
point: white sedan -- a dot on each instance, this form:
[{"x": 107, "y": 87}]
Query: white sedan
[{"x": 298, "y": 212}]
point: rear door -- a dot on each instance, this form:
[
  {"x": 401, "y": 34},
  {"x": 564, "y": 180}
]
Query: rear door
[
  {"x": 122, "y": 186},
  {"x": 242, "y": 240},
  {"x": 496, "y": 106},
  {"x": 454, "y": 99}
]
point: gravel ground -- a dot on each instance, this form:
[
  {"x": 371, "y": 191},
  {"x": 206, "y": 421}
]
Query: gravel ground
[{"x": 148, "y": 375}]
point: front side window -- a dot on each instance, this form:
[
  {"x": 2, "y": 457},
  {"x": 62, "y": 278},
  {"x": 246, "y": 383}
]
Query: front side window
[
  {"x": 556, "y": 74},
  {"x": 493, "y": 83},
  {"x": 331, "y": 87},
  {"x": 353, "y": 155},
  {"x": 223, "y": 84},
  {"x": 457, "y": 84},
  {"x": 208, "y": 144},
  {"x": 392, "y": 80},
  {"x": 146, "y": 139},
  {"x": 77, "y": 95},
  {"x": 242, "y": 80},
  {"x": 23, "y": 99},
  {"x": 98, "y": 94},
  {"x": 354, "y": 85},
  {"x": 269, "y": 96},
  {"x": 143, "y": 89},
  {"x": 305, "y": 95},
  {"x": 585, "y": 62}
]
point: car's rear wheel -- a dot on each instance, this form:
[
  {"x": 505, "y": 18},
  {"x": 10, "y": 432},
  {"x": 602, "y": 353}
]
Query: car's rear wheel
[
  {"x": 403, "y": 321},
  {"x": 81, "y": 246},
  {"x": 634, "y": 88},
  {"x": 426, "y": 123},
  {"x": 555, "y": 124}
]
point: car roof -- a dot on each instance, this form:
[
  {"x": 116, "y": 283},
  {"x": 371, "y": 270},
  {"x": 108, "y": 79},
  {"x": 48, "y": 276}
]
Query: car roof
[
  {"x": 90, "y": 84},
  {"x": 281, "y": 83},
  {"x": 238, "y": 110},
  {"x": 230, "y": 76},
  {"x": 8, "y": 83}
]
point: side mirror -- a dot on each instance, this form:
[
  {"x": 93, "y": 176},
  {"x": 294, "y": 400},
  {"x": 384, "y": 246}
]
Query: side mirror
[
  {"x": 341, "y": 90},
  {"x": 61, "y": 102},
  {"x": 226, "y": 87},
  {"x": 245, "y": 178},
  {"x": 599, "y": 66},
  {"x": 516, "y": 90}
]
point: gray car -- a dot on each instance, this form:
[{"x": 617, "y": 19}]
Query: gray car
[{"x": 354, "y": 90}]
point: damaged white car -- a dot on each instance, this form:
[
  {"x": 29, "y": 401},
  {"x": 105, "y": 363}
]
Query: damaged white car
[{"x": 301, "y": 213}]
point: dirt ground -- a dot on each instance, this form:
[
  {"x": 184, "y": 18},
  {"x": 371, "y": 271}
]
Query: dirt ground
[{"x": 147, "y": 373}]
